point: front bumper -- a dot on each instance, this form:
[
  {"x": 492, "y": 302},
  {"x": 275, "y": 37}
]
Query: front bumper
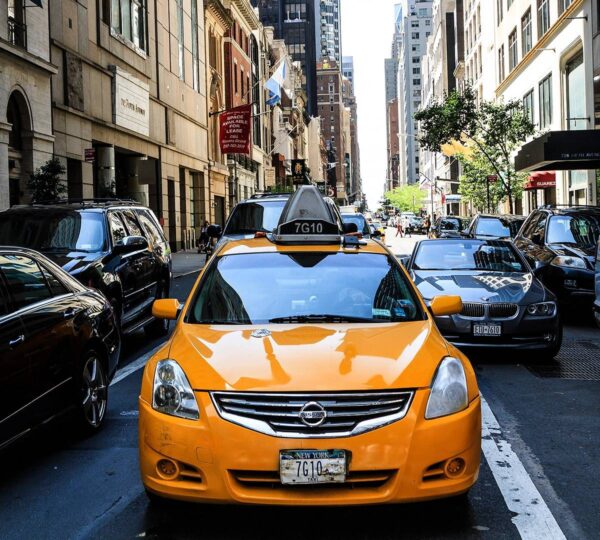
[
  {"x": 221, "y": 462},
  {"x": 570, "y": 285},
  {"x": 520, "y": 332}
]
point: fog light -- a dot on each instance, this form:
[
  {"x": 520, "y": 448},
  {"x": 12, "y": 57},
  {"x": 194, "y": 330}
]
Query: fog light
[
  {"x": 455, "y": 467},
  {"x": 167, "y": 468}
]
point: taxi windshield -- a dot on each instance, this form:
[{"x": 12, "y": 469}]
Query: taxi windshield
[
  {"x": 306, "y": 287},
  {"x": 468, "y": 255}
]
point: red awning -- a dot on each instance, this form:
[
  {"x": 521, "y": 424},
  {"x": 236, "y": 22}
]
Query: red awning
[{"x": 540, "y": 180}]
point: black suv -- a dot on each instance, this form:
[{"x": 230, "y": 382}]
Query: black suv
[
  {"x": 490, "y": 227},
  {"x": 560, "y": 243},
  {"x": 115, "y": 246}
]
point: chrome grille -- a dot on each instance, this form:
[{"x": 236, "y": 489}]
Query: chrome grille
[
  {"x": 346, "y": 414},
  {"x": 502, "y": 310},
  {"x": 473, "y": 309}
]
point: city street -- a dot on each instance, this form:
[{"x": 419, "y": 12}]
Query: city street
[{"x": 541, "y": 435}]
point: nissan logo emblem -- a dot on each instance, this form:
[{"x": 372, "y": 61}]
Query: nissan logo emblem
[{"x": 312, "y": 414}]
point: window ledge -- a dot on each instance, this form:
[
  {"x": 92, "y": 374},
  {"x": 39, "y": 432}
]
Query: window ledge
[{"x": 127, "y": 43}]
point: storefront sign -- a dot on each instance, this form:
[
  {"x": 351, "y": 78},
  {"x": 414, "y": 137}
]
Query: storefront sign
[
  {"x": 131, "y": 102},
  {"x": 298, "y": 170},
  {"x": 235, "y": 130},
  {"x": 89, "y": 155},
  {"x": 540, "y": 180}
]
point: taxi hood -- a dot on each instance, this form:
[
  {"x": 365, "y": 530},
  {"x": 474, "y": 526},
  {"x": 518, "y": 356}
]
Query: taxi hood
[{"x": 315, "y": 357}]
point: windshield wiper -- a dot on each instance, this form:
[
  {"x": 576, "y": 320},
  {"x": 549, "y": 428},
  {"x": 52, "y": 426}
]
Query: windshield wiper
[{"x": 320, "y": 318}]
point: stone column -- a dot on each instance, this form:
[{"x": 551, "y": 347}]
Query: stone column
[
  {"x": 105, "y": 157},
  {"x": 4, "y": 187},
  {"x": 137, "y": 191}
]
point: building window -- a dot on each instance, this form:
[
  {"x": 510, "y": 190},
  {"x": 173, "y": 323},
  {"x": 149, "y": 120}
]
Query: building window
[
  {"x": 129, "y": 19},
  {"x": 17, "y": 31},
  {"x": 576, "y": 105},
  {"x": 563, "y": 5},
  {"x": 235, "y": 78},
  {"x": 180, "y": 38},
  {"x": 415, "y": 35},
  {"x": 500, "y": 9},
  {"x": 545, "y": 99},
  {"x": 501, "y": 70},
  {"x": 416, "y": 82},
  {"x": 195, "y": 59},
  {"x": 416, "y": 71},
  {"x": 543, "y": 16},
  {"x": 526, "y": 33},
  {"x": 528, "y": 105},
  {"x": 513, "y": 53}
]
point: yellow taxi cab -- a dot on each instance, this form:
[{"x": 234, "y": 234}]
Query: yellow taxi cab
[{"x": 305, "y": 369}]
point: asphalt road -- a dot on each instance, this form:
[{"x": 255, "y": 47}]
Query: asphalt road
[{"x": 544, "y": 448}]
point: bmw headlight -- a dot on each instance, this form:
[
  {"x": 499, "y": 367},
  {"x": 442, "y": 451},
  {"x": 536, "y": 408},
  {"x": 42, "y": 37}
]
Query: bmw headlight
[
  {"x": 448, "y": 390},
  {"x": 172, "y": 393},
  {"x": 542, "y": 309},
  {"x": 568, "y": 262}
]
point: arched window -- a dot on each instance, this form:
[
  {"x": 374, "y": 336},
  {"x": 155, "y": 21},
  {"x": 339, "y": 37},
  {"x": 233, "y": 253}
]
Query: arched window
[{"x": 13, "y": 117}]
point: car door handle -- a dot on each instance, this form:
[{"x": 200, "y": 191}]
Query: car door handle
[{"x": 16, "y": 341}]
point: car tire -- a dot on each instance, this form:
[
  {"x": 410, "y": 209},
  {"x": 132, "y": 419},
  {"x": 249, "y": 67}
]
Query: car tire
[
  {"x": 92, "y": 392},
  {"x": 551, "y": 352},
  {"x": 159, "y": 327}
]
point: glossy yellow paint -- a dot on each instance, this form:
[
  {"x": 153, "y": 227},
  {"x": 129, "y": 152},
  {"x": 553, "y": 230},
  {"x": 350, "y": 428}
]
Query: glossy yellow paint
[
  {"x": 446, "y": 305},
  {"x": 211, "y": 452},
  {"x": 166, "y": 308}
]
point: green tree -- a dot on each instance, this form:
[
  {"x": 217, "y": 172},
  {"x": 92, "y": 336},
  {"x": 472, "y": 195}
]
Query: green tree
[
  {"x": 46, "y": 183},
  {"x": 495, "y": 130},
  {"x": 407, "y": 198}
]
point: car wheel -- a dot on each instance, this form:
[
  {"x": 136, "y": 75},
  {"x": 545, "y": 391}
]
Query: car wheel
[
  {"x": 159, "y": 327},
  {"x": 92, "y": 400},
  {"x": 551, "y": 352}
]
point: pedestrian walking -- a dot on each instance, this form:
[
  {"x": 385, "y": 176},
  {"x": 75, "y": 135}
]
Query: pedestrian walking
[{"x": 399, "y": 230}]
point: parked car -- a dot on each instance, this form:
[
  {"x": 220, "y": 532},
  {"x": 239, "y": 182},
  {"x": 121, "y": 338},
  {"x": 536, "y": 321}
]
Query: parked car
[
  {"x": 560, "y": 243},
  {"x": 597, "y": 287},
  {"x": 360, "y": 221},
  {"x": 449, "y": 227},
  {"x": 492, "y": 226},
  {"x": 115, "y": 246},
  {"x": 59, "y": 345},
  {"x": 504, "y": 304},
  {"x": 379, "y": 227}
]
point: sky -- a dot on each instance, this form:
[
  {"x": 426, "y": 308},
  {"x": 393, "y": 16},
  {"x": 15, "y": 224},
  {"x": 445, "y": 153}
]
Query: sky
[{"x": 367, "y": 30}]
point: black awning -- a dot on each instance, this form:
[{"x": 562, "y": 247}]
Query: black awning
[{"x": 561, "y": 151}]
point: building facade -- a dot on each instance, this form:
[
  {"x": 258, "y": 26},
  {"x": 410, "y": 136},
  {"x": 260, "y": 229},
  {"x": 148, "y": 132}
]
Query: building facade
[
  {"x": 354, "y": 184},
  {"x": 26, "y": 69},
  {"x": 348, "y": 69},
  {"x": 328, "y": 30}
]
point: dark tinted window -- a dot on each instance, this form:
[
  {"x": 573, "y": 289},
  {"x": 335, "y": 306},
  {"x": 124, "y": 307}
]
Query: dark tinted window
[
  {"x": 54, "y": 283},
  {"x": 582, "y": 230},
  {"x": 359, "y": 220},
  {"x": 450, "y": 224},
  {"x": 25, "y": 279},
  {"x": 264, "y": 287},
  {"x": 498, "y": 227},
  {"x": 53, "y": 231},
  {"x": 147, "y": 221},
  {"x": 117, "y": 229},
  {"x": 529, "y": 227},
  {"x": 468, "y": 255},
  {"x": 250, "y": 217},
  {"x": 132, "y": 223}
]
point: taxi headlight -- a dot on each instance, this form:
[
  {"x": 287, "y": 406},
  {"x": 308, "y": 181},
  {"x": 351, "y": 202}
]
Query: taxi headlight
[
  {"x": 568, "y": 262},
  {"x": 172, "y": 393},
  {"x": 448, "y": 389},
  {"x": 543, "y": 309}
]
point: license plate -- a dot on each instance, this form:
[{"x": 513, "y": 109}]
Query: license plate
[
  {"x": 487, "y": 329},
  {"x": 312, "y": 466}
]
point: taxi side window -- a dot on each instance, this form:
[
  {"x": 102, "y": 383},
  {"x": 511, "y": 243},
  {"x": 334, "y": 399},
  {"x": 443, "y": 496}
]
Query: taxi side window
[
  {"x": 25, "y": 279},
  {"x": 132, "y": 224},
  {"x": 117, "y": 229}
]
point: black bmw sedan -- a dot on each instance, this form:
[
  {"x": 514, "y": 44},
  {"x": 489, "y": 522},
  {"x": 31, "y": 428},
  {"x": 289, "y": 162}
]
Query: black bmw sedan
[
  {"x": 59, "y": 346},
  {"x": 504, "y": 304}
]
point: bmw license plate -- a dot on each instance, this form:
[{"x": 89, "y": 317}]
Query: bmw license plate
[
  {"x": 487, "y": 329},
  {"x": 312, "y": 466}
]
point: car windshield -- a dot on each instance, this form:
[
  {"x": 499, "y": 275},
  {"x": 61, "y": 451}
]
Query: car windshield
[
  {"x": 498, "y": 227},
  {"x": 359, "y": 220},
  {"x": 250, "y": 217},
  {"x": 262, "y": 288},
  {"x": 54, "y": 231},
  {"x": 583, "y": 231},
  {"x": 468, "y": 255}
]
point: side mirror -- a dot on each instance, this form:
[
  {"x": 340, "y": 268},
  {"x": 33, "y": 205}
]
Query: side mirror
[
  {"x": 129, "y": 244},
  {"x": 446, "y": 305},
  {"x": 166, "y": 308},
  {"x": 350, "y": 228}
]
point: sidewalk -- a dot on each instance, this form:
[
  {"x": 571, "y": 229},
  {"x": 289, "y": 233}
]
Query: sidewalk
[{"x": 187, "y": 262}]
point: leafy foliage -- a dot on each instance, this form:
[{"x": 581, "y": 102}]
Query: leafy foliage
[
  {"x": 46, "y": 183},
  {"x": 494, "y": 130},
  {"x": 407, "y": 198}
]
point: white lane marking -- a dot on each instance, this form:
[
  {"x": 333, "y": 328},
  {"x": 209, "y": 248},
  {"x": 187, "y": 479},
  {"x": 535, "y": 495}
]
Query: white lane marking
[
  {"x": 533, "y": 518},
  {"x": 134, "y": 366}
]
